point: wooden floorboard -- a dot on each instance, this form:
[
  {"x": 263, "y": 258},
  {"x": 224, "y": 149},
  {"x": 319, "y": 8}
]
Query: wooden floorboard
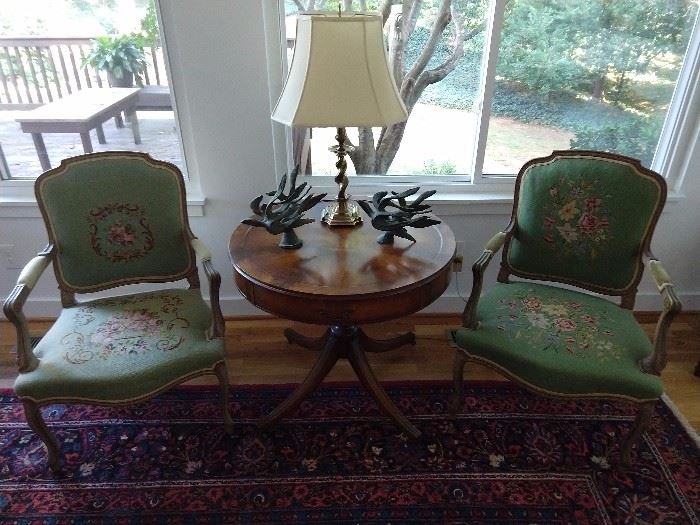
[{"x": 258, "y": 353}]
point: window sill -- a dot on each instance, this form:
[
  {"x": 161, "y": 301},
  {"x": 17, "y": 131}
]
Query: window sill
[
  {"x": 489, "y": 203},
  {"x": 443, "y": 204},
  {"x": 20, "y": 207}
]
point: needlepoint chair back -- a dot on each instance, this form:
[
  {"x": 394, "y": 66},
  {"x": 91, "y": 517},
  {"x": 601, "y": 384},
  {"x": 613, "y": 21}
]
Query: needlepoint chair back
[
  {"x": 583, "y": 218},
  {"x": 105, "y": 215}
]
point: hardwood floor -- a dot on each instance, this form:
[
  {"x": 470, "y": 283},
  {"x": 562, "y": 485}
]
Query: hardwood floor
[{"x": 259, "y": 353}]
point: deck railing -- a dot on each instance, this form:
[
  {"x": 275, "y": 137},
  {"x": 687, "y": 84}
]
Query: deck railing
[{"x": 37, "y": 70}]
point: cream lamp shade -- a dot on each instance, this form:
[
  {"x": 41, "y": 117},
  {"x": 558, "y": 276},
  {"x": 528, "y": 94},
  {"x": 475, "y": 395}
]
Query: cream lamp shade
[{"x": 339, "y": 76}]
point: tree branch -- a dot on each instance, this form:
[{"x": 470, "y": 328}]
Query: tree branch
[
  {"x": 385, "y": 10},
  {"x": 438, "y": 73},
  {"x": 397, "y": 45},
  {"x": 412, "y": 19},
  {"x": 441, "y": 20},
  {"x": 364, "y": 155}
]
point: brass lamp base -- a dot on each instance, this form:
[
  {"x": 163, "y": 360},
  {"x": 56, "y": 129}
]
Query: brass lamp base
[{"x": 341, "y": 212}]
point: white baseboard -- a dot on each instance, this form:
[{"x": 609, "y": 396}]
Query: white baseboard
[
  {"x": 450, "y": 302},
  {"x": 233, "y": 306}
]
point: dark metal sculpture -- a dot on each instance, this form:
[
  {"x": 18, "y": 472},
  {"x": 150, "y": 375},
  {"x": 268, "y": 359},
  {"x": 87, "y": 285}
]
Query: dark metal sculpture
[
  {"x": 391, "y": 214},
  {"x": 285, "y": 211}
]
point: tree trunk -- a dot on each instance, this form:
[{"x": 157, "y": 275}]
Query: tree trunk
[
  {"x": 375, "y": 157},
  {"x": 598, "y": 88}
]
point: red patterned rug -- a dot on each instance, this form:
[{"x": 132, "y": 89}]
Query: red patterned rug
[{"x": 510, "y": 458}]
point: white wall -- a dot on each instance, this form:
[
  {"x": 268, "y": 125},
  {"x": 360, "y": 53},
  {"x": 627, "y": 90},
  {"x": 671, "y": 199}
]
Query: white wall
[{"x": 224, "y": 106}]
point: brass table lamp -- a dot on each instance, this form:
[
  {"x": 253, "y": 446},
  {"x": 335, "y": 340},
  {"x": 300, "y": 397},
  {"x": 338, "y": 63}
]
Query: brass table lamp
[{"x": 340, "y": 77}]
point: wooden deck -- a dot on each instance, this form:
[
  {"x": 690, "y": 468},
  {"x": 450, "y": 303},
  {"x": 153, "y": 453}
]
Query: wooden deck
[{"x": 158, "y": 135}]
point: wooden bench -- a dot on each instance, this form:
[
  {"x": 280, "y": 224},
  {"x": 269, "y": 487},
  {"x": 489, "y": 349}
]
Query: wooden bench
[{"x": 154, "y": 98}]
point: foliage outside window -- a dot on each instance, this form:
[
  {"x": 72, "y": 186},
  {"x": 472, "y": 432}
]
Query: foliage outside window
[
  {"x": 51, "y": 49},
  {"x": 582, "y": 74}
]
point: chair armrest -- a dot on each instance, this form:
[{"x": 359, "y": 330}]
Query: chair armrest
[
  {"x": 492, "y": 247},
  {"x": 14, "y": 303},
  {"x": 204, "y": 257},
  {"x": 656, "y": 362}
]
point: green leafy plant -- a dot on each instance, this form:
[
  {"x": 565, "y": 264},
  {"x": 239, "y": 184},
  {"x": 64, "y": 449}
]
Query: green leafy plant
[{"x": 121, "y": 56}]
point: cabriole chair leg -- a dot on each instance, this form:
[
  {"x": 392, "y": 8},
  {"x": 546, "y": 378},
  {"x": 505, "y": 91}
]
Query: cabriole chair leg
[
  {"x": 222, "y": 374},
  {"x": 37, "y": 424},
  {"x": 641, "y": 423},
  {"x": 457, "y": 382}
]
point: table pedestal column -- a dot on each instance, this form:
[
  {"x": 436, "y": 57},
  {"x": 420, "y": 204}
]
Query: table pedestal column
[{"x": 351, "y": 343}]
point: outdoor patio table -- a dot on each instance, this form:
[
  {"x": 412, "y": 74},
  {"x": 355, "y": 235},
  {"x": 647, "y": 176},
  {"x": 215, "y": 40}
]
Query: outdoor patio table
[{"x": 79, "y": 113}]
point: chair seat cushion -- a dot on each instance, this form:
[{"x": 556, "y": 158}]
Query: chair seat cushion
[
  {"x": 123, "y": 348},
  {"x": 561, "y": 342}
]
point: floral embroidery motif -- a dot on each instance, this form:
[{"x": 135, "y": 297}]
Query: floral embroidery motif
[
  {"x": 576, "y": 220},
  {"x": 556, "y": 324},
  {"x": 128, "y": 332},
  {"x": 120, "y": 232}
]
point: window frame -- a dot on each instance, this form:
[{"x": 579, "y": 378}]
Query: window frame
[
  {"x": 680, "y": 137},
  {"x": 675, "y": 145},
  {"x": 17, "y": 195}
]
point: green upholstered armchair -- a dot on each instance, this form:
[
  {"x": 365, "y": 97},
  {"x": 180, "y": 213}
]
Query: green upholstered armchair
[
  {"x": 113, "y": 219},
  {"x": 580, "y": 218}
]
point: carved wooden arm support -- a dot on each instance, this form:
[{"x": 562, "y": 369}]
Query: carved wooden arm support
[
  {"x": 656, "y": 362},
  {"x": 495, "y": 243},
  {"x": 12, "y": 308},
  {"x": 204, "y": 257}
]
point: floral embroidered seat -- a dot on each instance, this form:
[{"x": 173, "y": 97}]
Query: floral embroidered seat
[
  {"x": 122, "y": 348},
  {"x": 113, "y": 219},
  {"x": 584, "y": 219}
]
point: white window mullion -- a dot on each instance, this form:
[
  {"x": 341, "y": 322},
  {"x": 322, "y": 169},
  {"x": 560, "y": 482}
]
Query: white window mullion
[
  {"x": 488, "y": 84},
  {"x": 276, "y": 42},
  {"x": 681, "y": 124}
]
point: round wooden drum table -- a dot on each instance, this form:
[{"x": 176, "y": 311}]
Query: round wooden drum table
[{"x": 342, "y": 278}]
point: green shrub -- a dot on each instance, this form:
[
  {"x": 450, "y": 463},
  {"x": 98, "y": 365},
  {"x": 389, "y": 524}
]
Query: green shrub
[
  {"x": 635, "y": 136},
  {"x": 431, "y": 167}
]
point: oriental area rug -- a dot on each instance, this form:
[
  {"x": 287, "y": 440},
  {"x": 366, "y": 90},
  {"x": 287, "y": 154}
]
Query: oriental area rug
[{"x": 509, "y": 458}]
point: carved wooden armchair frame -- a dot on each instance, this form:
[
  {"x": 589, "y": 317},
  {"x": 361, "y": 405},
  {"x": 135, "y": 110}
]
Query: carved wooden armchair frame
[
  {"x": 28, "y": 362},
  {"x": 652, "y": 364}
]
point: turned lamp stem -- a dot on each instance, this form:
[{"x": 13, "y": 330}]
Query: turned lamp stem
[
  {"x": 342, "y": 149},
  {"x": 341, "y": 212}
]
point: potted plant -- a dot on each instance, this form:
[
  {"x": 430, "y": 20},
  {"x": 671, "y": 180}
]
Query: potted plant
[{"x": 121, "y": 56}]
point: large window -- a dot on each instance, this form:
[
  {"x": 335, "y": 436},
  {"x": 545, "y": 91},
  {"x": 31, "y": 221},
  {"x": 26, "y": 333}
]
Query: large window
[
  {"x": 510, "y": 80},
  {"x": 59, "y": 60}
]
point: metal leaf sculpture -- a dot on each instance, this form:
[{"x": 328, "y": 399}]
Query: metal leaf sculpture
[
  {"x": 391, "y": 213},
  {"x": 285, "y": 211}
]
